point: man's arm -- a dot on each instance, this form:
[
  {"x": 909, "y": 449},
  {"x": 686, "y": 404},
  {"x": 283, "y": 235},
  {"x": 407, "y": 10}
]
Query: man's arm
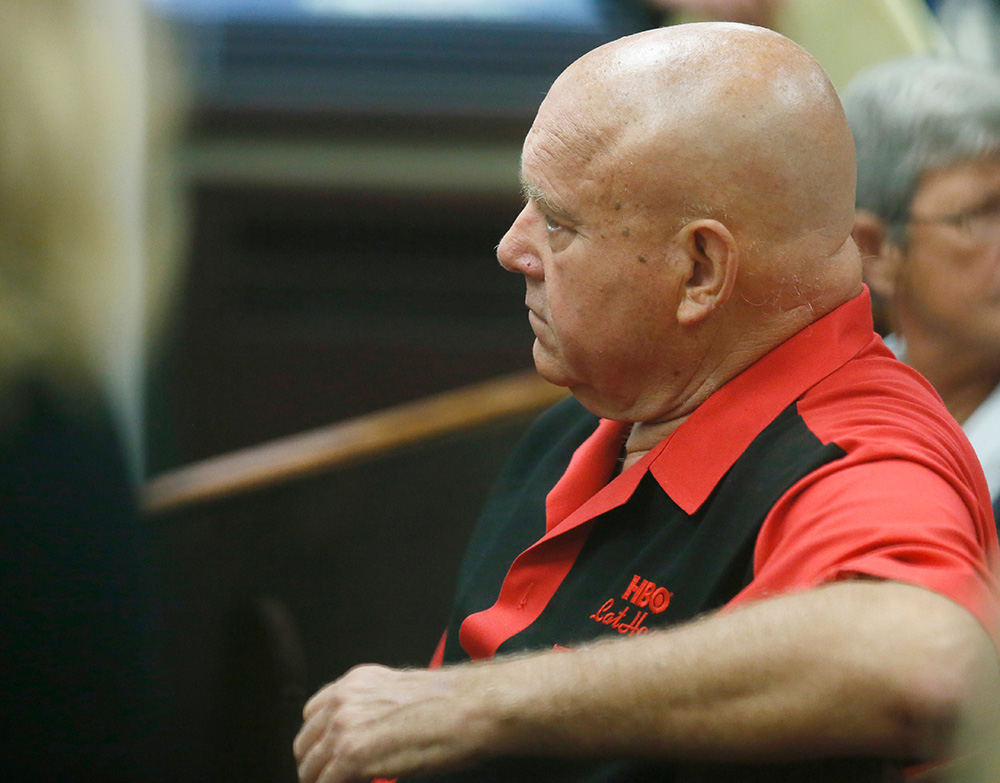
[{"x": 859, "y": 668}]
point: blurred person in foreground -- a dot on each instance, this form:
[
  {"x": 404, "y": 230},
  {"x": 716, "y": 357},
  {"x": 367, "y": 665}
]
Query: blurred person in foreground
[
  {"x": 77, "y": 690},
  {"x": 927, "y": 133},
  {"x": 753, "y": 545}
]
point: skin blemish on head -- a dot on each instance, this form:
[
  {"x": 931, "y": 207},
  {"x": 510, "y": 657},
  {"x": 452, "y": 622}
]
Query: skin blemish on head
[
  {"x": 618, "y": 206},
  {"x": 626, "y": 232},
  {"x": 641, "y": 259}
]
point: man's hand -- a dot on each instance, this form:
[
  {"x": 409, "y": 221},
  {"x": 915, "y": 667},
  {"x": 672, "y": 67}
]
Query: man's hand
[
  {"x": 379, "y": 722},
  {"x": 857, "y": 669}
]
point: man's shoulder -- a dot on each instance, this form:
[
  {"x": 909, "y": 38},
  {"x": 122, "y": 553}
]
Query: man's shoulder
[
  {"x": 876, "y": 400},
  {"x": 876, "y": 381}
]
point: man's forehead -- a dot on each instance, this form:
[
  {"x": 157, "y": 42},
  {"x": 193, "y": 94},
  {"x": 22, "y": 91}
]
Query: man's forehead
[
  {"x": 960, "y": 183},
  {"x": 570, "y": 124},
  {"x": 558, "y": 167},
  {"x": 570, "y": 139}
]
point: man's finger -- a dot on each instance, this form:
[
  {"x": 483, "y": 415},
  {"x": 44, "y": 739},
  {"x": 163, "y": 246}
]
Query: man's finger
[
  {"x": 318, "y": 701},
  {"x": 315, "y": 766},
  {"x": 308, "y": 735}
]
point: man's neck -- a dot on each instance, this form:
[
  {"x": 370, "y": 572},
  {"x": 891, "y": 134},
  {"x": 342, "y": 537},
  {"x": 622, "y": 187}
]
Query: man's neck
[
  {"x": 644, "y": 436},
  {"x": 728, "y": 355},
  {"x": 964, "y": 378}
]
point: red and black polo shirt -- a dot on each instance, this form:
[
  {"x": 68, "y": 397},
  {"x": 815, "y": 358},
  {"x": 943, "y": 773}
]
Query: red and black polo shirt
[{"x": 824, "y": 460}]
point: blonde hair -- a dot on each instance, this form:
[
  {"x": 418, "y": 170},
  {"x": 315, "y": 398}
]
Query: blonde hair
[
  {"x": 58, "y": 89},
  {"x": 90, "y": 109}
]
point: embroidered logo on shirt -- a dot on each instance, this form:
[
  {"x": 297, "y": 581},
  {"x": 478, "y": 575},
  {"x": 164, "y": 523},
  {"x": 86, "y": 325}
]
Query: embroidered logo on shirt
[{"x": 642, "y": 595}]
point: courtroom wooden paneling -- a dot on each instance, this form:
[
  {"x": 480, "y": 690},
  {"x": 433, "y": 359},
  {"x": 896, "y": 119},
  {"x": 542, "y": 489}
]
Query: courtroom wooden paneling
[
  {"x": 270, "y": 594},
  {"x": 303, "y": 307}
]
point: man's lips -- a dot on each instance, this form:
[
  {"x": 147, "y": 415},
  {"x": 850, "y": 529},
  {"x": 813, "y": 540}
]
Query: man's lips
[{"x": 534, "y": 318}]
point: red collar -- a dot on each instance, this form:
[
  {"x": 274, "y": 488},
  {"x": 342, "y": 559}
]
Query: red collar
[{"x": 690, "y": 462}]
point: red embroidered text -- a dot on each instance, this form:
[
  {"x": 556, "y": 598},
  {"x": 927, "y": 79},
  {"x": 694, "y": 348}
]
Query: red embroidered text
[
  {"x": 640, "y": 593},
  {"x": 607, "y": 615}
]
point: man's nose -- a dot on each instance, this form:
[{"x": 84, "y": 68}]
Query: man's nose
[{"x": 517, "y": 250}]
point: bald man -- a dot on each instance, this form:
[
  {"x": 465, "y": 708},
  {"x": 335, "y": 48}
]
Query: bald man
[{"x": 752, "y": 545}]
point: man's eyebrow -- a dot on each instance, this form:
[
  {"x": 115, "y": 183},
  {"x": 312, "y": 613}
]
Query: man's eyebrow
[{"x": 531, "y": 192}]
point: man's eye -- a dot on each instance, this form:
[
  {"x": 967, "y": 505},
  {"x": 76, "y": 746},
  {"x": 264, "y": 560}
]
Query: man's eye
[{"x": 560, "y": 236}]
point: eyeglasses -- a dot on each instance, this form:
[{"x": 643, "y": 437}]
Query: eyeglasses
[{"x": 980, "y": 223}]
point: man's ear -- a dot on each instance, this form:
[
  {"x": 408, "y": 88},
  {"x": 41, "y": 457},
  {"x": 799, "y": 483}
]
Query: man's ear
[
  {"x": 880, "y": 255},
  {"x": 713, "y": 258}
]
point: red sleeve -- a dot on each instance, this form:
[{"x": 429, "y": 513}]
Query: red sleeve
[
  {"x": 890, "y": 519},
  {"x": 438, "y": 658}
]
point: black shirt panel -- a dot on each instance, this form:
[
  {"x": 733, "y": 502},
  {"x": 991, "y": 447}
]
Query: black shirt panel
[{"x": 513, "y": 517}]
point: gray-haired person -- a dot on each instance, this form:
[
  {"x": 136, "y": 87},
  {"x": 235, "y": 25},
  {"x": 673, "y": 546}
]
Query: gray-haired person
[{"x": 927, "y": 132}]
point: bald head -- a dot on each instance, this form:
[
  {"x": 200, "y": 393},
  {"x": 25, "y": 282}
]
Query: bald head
[
  {"x": 726, "y": 121},
  {"x": 690, "y": 199}
]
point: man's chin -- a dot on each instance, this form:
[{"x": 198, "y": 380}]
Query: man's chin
[
  {"x": 556, "y": 379},
  {"x": 550, "y": 368}
]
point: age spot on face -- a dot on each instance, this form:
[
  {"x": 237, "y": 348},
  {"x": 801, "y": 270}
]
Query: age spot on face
[
  {"x": 626, "y": 232},
  {"x": 641, "y": 259}
]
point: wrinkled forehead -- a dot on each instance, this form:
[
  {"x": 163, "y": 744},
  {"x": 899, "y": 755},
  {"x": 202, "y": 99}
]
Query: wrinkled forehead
[
  {"x": 560, "y": 135},
  {"x": 582, "y": 119},
  {"x": 572, "y": 154}
]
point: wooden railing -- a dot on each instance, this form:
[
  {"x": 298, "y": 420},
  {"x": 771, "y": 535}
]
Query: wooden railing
[{"x": 312, "y": 452}]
